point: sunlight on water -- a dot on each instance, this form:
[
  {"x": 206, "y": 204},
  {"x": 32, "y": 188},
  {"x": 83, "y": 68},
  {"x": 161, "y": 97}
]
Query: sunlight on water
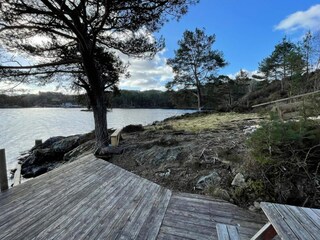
[{"x": 20, "y": 127}]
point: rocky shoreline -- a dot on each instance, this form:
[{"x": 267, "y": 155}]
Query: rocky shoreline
[
  {"x": 208, "y": 161},
  {"x": 54, "y": 152}
]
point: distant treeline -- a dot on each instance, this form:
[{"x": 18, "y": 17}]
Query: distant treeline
[
  {"x": 121, "y": 99},
  {"x": 224, "y": 94},
  {"x": 138, "y": 99},
  {"x": 42, "y": 99}
]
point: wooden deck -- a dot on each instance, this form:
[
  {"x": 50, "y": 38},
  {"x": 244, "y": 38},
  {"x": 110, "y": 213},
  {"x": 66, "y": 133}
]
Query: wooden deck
[
  {"x": 93, "y": 199},
  {"x": 291, "y": 222}
]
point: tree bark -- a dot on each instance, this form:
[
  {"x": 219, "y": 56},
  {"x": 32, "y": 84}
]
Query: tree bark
[
  {"x": 100, "y": 119},
  {"x": 199, "y": 95},
  {"x": 97, "y": 100}
]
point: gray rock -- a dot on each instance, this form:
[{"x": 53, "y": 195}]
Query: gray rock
[
  {"x": 221, "y": 193},
  {"x": 165, "y": 174},
  {"x": 107, "y": 152},
  {"x": 87, "y": 137},
  {"x": 48, "y": 143},
  {"x": 33, "y": 171},
  {"x": 80, "y": 150},
  {"x": 204, "y": 181},
  {"x": 158, "y": 155},
  {"x": 66, "y": 144},
  {"x": 239, "y": 180},
  {"x": 40, "y": 156},
  {"x": 252, "y": 208},
  {"x": 257, "y": 205},
  {"x": 133, "y": 128},
  {"x": 167, "y": 141}
]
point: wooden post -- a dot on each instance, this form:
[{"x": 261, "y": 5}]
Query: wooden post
[
  {"x": 38, "y": 142},
  {"x": 3, "y": 171},
  {"x": 17, "y": 176}
]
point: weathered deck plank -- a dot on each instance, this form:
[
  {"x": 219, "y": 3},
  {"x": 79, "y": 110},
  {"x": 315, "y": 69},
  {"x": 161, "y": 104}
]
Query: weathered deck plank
[
  {"x": 81, "y": 213},
  {"x": 153, "y": 222},
  {"x": 291, "y": 222},
  {"x": 43, "y": 181},
  {"x": 93, "y": 199},
  {"x": 35, "y": 195},
  {"x": 47, "y": 206},
  {"x": 195, "y": 217}
]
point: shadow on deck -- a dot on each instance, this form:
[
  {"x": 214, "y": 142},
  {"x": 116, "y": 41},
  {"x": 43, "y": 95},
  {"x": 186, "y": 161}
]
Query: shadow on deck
[{"x": 93, "y": 199}]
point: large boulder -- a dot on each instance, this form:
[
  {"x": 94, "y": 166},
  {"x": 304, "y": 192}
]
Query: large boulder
[
  {"x": 40, "y": 156},
  {"x": 160, "y": 155},
  {"x": 133, "y": 128},
  {"x": 33, "y": 171},
  {"x": 47, "y": 155},
  {"x": 65, "y": 145},
  {"x": 48, "y": 143}
]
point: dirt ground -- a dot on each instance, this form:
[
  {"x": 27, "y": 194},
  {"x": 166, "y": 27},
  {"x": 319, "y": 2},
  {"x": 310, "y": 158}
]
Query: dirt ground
[{"x": 190, "y": 153}]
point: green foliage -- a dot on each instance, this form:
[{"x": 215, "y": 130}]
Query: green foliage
[
  {"x": 144, "y": 99},
  {"x": 268, "y": 141},
  {"x": 195, "y": 63},
  {"x": 287, "y": 155},
  {"x": 43, "y": 99},
  {"x": 310, "y": 107},
  {"x": 250, "y": 192},
  {"x": 286, "y": 61},
  {"x": 123, "y": 99}
]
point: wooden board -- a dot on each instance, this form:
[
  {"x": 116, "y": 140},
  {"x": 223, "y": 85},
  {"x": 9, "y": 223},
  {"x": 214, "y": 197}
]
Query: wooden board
[
  {"x": 115, "y": 137},
  {"x": 292, "y": 222},
  {"x": 93, "y": 199},
  {"x": 192, "y": 216},
  {"x": 227, "y": 232},
  {"x": 17, "y": 175}
]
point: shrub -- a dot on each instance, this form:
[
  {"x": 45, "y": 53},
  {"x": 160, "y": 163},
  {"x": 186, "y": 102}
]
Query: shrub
[{"x": 287, "y": 155}]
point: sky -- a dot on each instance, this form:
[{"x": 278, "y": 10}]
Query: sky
[{"x": 246, "y": 32}]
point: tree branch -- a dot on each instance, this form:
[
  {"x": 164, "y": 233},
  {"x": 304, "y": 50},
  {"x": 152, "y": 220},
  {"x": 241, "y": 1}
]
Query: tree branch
[{"x": 42, "y": 65}]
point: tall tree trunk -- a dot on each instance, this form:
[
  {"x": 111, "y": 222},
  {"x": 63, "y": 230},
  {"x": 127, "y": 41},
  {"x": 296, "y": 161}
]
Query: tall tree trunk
[
  {"x": 100, "y": 118},
  {"x": 199, "y": 95},
  {"x": 97, "y": 99},
  {"x": 282, "y": 85}
]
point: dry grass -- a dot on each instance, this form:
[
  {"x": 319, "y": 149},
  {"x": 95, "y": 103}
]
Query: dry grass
[{"x": 207, "y": 122}]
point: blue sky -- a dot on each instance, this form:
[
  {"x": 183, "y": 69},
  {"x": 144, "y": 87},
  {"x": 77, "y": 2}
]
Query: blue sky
[
  {"x": 245, "y": 29},
  {"x": 246, "y": 32}
]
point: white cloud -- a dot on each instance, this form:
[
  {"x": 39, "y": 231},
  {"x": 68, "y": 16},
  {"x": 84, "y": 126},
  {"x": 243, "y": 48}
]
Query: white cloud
[
  {"x": 147, "y": 74},
  {"x": 301, "y": 20},
  {"x": 250, "y": 73},
  {"x": 24, "y": 88}
]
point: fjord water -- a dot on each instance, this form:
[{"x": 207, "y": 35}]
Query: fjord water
[{"x": 19, "y": 127}]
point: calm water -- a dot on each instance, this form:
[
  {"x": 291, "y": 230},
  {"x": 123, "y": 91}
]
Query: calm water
[{"x": 20, "y": 127}]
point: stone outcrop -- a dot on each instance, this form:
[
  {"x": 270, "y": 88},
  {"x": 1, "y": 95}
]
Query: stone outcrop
[{"x": 54, "y": 152}]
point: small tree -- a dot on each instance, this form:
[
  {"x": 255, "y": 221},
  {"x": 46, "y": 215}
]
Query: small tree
[
  {"x": 79, "y": 40},
  {"x": 310, "y": 51},
  {"x": 195, "y": 63},
  {"x": 282, "y": 63}
]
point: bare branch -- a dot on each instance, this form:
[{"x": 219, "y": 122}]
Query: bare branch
[{"x": 66, "y": 62}]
